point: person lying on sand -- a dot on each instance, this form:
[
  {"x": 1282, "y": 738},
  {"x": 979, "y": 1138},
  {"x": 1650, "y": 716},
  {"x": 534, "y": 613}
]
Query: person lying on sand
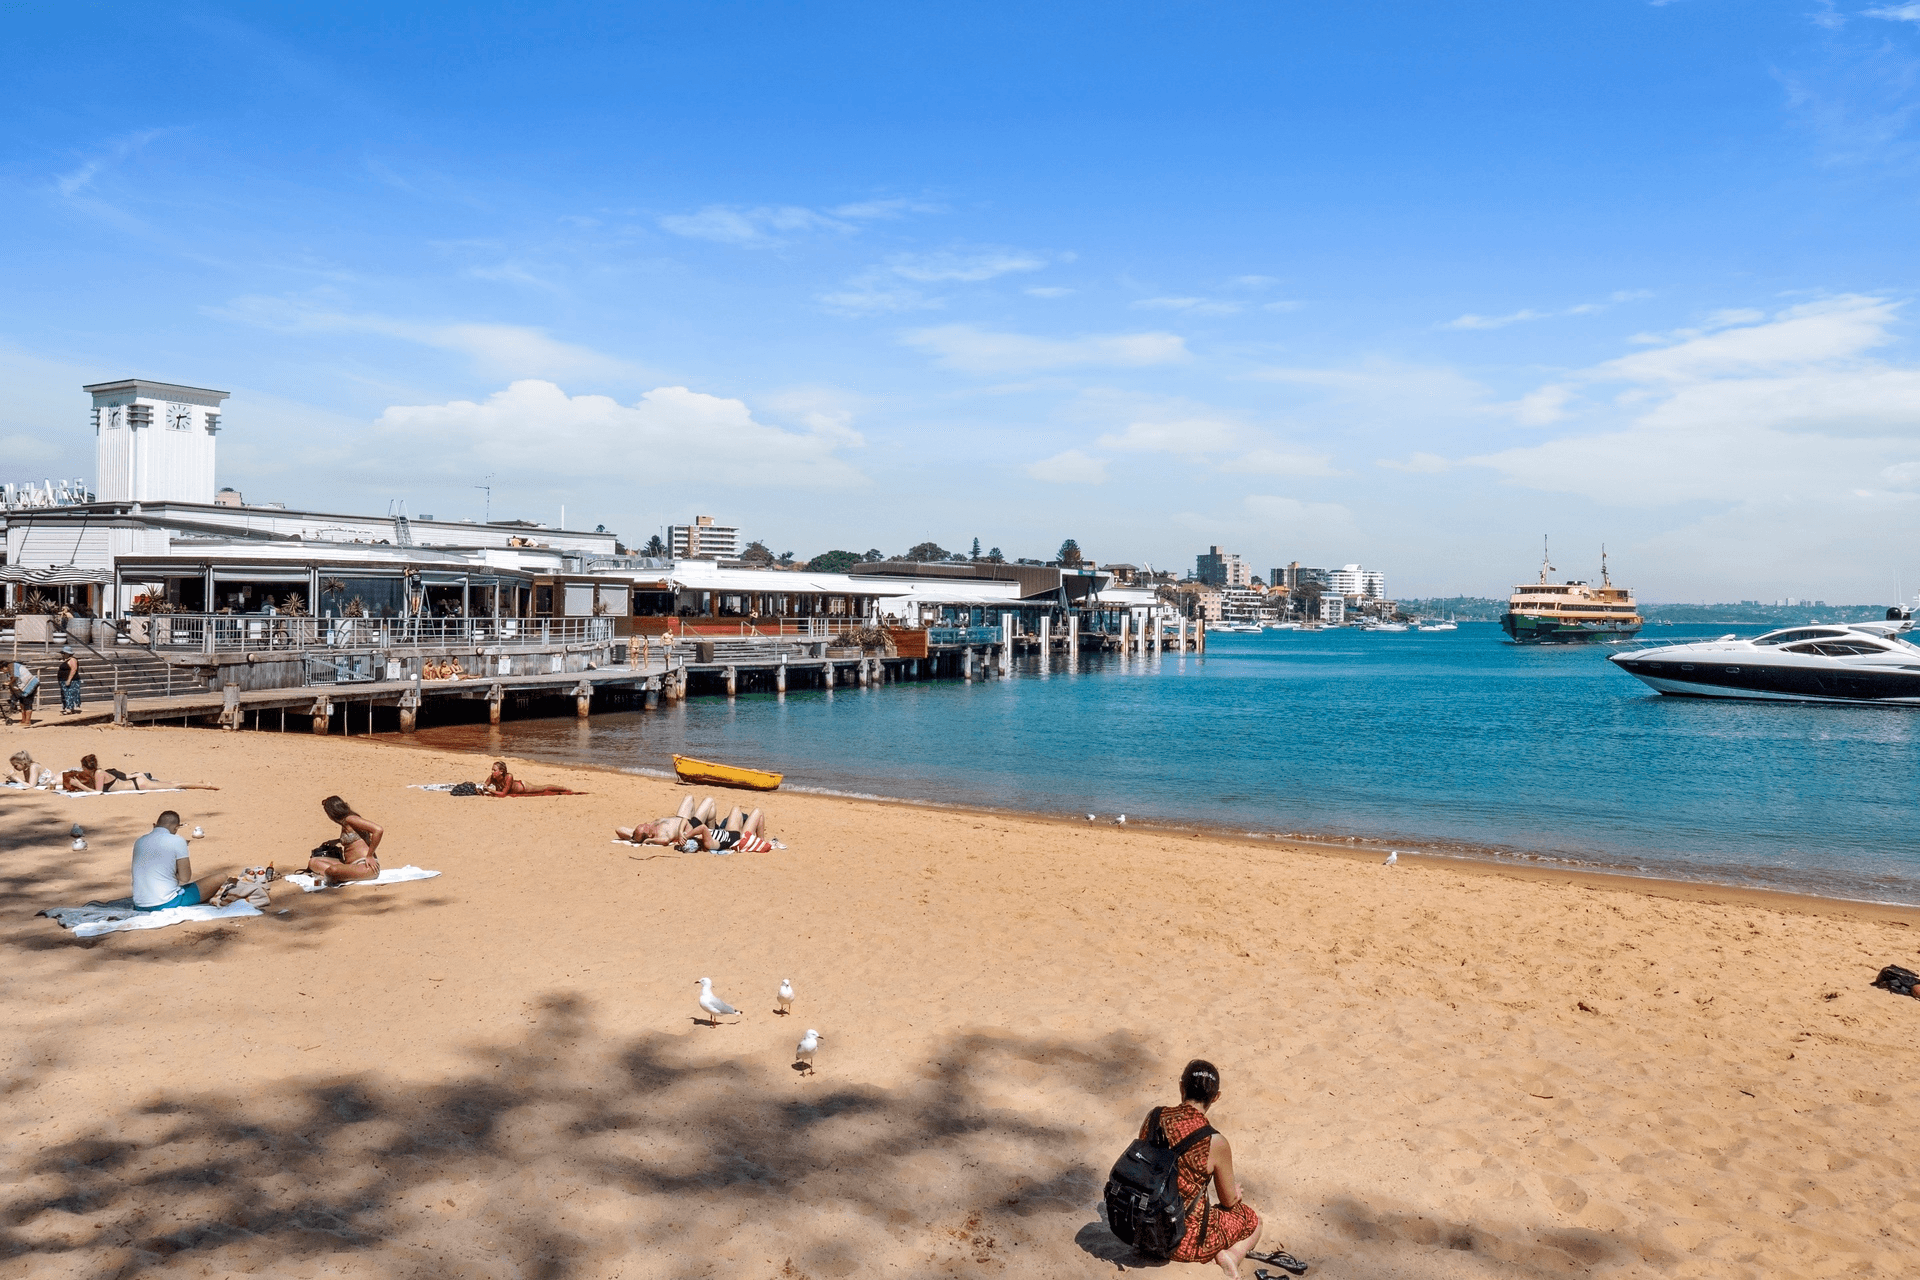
[
  {"x": 91, "y": 777},
  {"x": 359, "y": 846},
  {"x": 1225, "y": 1232},
  {"x": 685, "y": 825},
  {"x": 24, "y": 771},
  {"x": 162, "y": 871},
  {"x": 502, "y": 783}
]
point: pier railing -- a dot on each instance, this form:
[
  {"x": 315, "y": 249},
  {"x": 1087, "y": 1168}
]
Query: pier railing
[{"x": 227, "y": 633}]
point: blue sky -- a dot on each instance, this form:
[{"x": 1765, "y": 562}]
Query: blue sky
[{"x": 1409, "y": 285}]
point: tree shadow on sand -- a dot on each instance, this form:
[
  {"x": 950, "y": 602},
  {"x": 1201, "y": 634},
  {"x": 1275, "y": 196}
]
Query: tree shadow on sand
[{"x": 549, "y": 1156}]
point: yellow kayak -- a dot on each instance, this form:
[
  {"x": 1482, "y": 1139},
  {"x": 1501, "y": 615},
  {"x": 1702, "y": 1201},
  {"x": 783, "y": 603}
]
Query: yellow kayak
[{"x": 725, "y": 775}]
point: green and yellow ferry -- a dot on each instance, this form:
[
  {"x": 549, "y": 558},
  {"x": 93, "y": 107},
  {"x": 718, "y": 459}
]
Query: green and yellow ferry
[{"x": 1571, "y": 612}]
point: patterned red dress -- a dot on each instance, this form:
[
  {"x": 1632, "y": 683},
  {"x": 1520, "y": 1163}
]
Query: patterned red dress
[{"x": 1209, "y": 1227}]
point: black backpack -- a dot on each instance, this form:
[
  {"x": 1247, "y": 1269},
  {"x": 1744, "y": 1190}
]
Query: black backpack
[
  {"x": 1902, "y": 982},
  {"x": 1144, "y": 1207}
]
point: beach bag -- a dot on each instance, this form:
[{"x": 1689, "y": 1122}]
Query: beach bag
[
  {"x": 464, "y": 789},
  {"x": 1901, "y": 982},
  {"x": 1144, "y": 1208},
  {"x": 250, "y": 886}
]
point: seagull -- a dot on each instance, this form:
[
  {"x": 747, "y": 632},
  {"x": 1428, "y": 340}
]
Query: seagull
[
  {"x": 1092, "y": 816},
  {"x": 77, "y": 831},
  {"x": 785, "y": 996},
  {"x": 712, "y": 1003},
  {"x": 1392, "y": 858},
  {"x": 79, "y": 844},
  {"x": 803, "y": 1052},
  {"x": 1121, "y": 821}
]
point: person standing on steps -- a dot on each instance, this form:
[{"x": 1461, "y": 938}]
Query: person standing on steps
[
  {"x": 24, "y": 684},
  {"x": 69, "y": 676}
]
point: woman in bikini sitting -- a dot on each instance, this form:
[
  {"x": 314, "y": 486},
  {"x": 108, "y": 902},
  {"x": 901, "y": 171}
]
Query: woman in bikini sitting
[
  {"x": 91, "y": 777},
  {"x": 359, "y": 846}
]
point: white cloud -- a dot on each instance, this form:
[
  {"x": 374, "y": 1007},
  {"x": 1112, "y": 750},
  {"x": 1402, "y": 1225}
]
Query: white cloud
[
  {"x": 536, "y": 430},
  {"x": 1253, "y": 282},
  {"x": 1790, "y": 408},
  {"x": 501, "y": 350},
  {"x": 975, "y": 350},
  {"x": 1292, "y": 521},
  {"x": 1070, "y": 467},
  {"x": 1473, "y": 321},
  {"x": 871, "y": 295},
  {"x": 1419, "y": 464},
  {"x": 1193, "y": 306},
  {"x": 767, "y": 226},
  {"x": 1175, "y": 435},
  {"x": 966, "y": 267},
  {"x": 1895, "y": 12},
  {"x": 1284, "y": 462},
  {"x": 1047, "y": 291}
]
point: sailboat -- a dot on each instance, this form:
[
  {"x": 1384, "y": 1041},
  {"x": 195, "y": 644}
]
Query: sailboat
[{"x": 1437, "y": 625}]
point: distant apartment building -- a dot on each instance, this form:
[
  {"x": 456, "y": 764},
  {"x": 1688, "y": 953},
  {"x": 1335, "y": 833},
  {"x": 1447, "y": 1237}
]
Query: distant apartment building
[
  {"x": 1297, "y": 575},
  {"x": 1219, "y": 568},
  {"x": 703, "y": 540},
  {"x": 1333, "y": 610},
  {"x": 1352, "y": 580}
]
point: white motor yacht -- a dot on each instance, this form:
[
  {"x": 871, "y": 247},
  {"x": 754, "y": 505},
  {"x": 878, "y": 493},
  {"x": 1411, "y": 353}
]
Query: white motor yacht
[
  {"x": 1858, "y": 662},
  {"x": 1437, "y": 625}
]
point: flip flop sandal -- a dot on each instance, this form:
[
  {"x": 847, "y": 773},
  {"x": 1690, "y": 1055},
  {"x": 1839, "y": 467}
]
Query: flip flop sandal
[{"x": 1285, "y": 1261}]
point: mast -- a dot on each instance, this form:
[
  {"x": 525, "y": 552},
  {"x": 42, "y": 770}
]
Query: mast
[
  {"x": 1605, "y": 581},
  {"x": 1545, "y": 568}
]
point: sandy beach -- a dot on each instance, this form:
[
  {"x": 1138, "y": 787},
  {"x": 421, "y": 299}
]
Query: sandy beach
[{"x": 1430, "y": 1070}]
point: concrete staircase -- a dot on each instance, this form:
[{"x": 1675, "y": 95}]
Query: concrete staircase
[{"x": 140, "y": 674}]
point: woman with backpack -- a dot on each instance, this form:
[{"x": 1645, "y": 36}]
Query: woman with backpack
[{"x": 1224, "y": 1232}]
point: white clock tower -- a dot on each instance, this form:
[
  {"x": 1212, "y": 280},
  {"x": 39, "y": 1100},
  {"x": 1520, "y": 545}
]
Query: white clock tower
[{"x": 154, "y": 441}]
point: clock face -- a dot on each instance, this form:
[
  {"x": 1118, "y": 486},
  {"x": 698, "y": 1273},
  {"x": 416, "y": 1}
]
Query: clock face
[
  {"x": 115, "y": 415},
  {"x": 180, "y": 417}
]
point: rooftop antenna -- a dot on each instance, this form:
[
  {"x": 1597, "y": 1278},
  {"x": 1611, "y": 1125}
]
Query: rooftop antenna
[{"x": 488, "y": 490}]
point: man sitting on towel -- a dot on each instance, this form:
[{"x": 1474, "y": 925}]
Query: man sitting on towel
[{"x": 162, "y": 871}]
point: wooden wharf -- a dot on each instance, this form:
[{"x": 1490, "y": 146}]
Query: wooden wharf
[{"x": 274, "y": 689}]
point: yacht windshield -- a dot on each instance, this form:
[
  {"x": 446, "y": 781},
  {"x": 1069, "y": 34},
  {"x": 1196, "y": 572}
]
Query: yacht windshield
[{"x": 1798, "y": 633}]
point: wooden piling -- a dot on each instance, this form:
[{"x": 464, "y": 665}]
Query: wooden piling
[
  {"x": 322, "y": 713},
  {"x": 966, "y": 662},
  {"x": 826, "y": 674},
  {"x": 496, "y": 696},
  {"x": 230, "y": 707},
  {"x": 653, "y": 692},
  {"x": 733, "y": 680},
  {"x": 780, "y": 677},
  {"x": 583, "y": 700}
]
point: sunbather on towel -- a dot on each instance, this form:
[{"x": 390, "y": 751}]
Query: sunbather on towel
[
  {"x": 91, "y": 777},
  {"x": 745, "y": 832},
  {"x": 502, "y": 783},
  {"x": 674, "y": 830},
  {"x": 23, "y": 770},
  {"x": 359, "y": 846},
  {"x": 162, "y": 870}
]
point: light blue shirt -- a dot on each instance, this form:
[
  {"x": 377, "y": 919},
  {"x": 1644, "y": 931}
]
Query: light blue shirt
[
  {"x": 24, "y": 674},
  {"x": 154, "y": 879}
]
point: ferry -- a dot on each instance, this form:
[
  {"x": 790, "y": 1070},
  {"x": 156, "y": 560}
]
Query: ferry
[{"x": 1571, "y": 612}]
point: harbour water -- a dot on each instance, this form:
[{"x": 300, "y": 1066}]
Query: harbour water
[{"x": 1452, "y": 743}]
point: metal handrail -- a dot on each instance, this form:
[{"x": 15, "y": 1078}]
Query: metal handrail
[{"x": 217, "y": 633}]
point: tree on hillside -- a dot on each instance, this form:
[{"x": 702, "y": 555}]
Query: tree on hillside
[
  {"x": 654, "y": 547},
  {"x": 976, "y": 549},
  {"x": 1070, "y": 553},
  {"x": 786, "y": 559},
  {"x": 757, "y": 554},
  {"x": 994, "y": 556},
  {"x": 925, "y": 553},
  {"x": 834, "y": 561},
  {"x": 874, "y": 555}
]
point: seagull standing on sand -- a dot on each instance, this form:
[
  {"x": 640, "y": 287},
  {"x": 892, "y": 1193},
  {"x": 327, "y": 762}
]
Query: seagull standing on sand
[
  {"x": 803, "y": 1052},
  {"x": 712, "y": 1003},
  {"x": 1392, "y": 858},
  {"x": 786, "y": 996}
]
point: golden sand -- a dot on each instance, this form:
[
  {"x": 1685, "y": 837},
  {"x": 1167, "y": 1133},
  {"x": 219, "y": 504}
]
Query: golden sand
[{"x": 1431, "y": 1070}]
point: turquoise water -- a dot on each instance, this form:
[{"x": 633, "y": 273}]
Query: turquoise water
[{"x": 1451, "y": 742}]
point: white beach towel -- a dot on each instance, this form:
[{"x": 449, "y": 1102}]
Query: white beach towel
[
  {"x": 121, "y": 916},
  {"x": 117, "y": 791},
  {"x": 310, "y": 883},
  {"x": 431, "y": 786}
]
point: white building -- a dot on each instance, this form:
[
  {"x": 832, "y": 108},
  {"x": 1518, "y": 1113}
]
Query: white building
[
  {"x": 154, "y": 441},
  {"x": 1333, "y": 610},
  {"x": 703, "y": 540},
  {"x": 1352, "y": 580}
]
